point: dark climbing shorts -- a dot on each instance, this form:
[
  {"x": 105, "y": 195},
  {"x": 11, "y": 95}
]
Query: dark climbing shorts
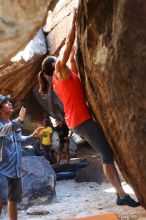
[
  {"x": 10, "y": 189},
  {"x": 90, "y": 131}
]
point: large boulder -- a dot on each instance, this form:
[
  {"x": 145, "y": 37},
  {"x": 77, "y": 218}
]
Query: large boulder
[
  {"x": 58, "y": 23},
  {"x": 93, "y": 172},
  {"x": 38, "y": 179},
  {"x": 20, "y": 20},
  {"x": 18, "y": 76},
  {"x": 111, "y": 60}
]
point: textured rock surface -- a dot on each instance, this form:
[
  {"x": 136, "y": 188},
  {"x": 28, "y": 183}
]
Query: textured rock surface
[
  {"x": 37, "y": 184},
  {"x": 93, "y": 172},
  {"x": 17, "y": 77},
  {"x": 58, "y": 23},
  {"x": 112, "y": 60},
  {"x": 19, "y": 22}
]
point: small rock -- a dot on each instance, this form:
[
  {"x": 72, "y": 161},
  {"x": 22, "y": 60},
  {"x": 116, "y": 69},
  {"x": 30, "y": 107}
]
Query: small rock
[
  {"x": 37, "y": 211},
  {"x": 99, "y": 208}
]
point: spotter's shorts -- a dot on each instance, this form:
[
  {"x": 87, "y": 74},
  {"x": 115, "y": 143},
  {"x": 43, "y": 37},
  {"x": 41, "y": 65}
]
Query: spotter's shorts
[{"x": 10, "y": 189}]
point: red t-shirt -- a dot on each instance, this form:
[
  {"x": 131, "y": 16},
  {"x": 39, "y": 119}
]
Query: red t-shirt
[{"x": 71, "y": 93}]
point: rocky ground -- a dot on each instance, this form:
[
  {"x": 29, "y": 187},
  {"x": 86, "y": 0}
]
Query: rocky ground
[{"x": 81, "y": 199}]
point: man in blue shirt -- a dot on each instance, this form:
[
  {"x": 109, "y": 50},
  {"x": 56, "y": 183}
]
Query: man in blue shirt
[{"x": 11, "y": 142}]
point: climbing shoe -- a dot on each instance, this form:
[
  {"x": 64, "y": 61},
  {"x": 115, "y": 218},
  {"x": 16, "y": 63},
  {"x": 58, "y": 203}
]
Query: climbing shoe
[{"x": 127, "y": 200}]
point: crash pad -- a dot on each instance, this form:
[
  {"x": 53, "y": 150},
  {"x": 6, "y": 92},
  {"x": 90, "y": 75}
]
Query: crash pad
[{"x": 107, "y": 216}]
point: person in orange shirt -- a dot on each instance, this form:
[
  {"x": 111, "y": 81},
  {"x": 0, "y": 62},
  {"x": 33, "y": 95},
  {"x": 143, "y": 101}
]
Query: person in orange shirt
[{"x": 68, "y": 87}]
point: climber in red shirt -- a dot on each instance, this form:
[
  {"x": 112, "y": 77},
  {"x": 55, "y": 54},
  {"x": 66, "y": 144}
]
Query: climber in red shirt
[{"x": 69, "y": 89}]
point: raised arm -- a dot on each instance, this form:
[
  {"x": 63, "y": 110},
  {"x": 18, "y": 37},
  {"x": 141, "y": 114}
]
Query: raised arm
[
  {"x": 73, "y": 66},
  {"x": 31, "y": 139},
  {"x": 65, "y": 53}
]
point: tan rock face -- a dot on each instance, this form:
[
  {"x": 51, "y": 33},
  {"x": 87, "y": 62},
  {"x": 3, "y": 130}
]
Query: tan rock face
[
  {"x": 58, "y": 23},
  {"x": 20, "y": 20},
  {"x": 21, "y": 79},
  {"x": 18, "y": 77},
  {"x": 112, "y": 61}
]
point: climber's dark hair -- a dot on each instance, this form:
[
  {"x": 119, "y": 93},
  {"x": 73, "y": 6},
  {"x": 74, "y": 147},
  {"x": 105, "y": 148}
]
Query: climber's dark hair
[
  {"x": 47, "y": 69},
  {"x": 47, "y": 66}
]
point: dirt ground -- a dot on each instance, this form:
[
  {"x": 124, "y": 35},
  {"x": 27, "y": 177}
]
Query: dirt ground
[{"x": 81, "y": 199}]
